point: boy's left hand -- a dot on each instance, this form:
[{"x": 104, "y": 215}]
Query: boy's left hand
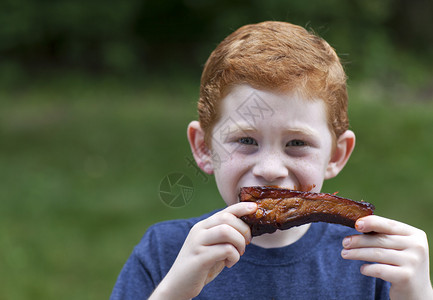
[{"x": 400, "y": 252}]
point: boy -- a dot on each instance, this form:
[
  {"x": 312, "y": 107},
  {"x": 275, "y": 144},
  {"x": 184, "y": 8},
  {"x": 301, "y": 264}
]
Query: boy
[{"x": 273, "y": 111}]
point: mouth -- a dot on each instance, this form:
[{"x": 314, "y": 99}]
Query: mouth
[{"x": 301, "y": 188}]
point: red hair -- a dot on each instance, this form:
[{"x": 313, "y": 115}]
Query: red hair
[{"x": 275, "y": 56}]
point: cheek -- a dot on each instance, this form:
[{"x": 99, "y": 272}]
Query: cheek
[
  {"x": 310, "y": 171},
  {"x": 228, "y": 165},
  {"x": 227, "y": 171},
  {"x": 228, "y": 175}
]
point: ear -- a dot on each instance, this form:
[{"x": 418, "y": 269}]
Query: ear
[
  {"x": 200, "y": 151},
  {"x": 343, "y": 149}
]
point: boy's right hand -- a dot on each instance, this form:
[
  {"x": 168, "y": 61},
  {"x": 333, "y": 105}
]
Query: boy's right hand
[{"x": 211, "y": 245}]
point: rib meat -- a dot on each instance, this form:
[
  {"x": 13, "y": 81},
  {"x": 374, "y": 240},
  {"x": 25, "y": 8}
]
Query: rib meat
[{"x": 282, "y": 209}]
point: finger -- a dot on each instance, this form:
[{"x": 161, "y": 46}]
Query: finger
[
  {"x": 224, "y": 234},
  {"x": 388, "y": 273},
  {"x": 224, "y": 252},
  {"x": 230, "y": 217},
  {"x": 377, "y": 255},
  {"x": 226, "y": 215},
  {"x": 241, "y": 209},
  {"x": 230, "y": 220},
  {"x": 379, "y": 224},
  {"x": 376, "y": 240}
]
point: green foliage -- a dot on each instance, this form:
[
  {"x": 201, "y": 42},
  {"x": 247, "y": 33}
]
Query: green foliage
[
  {"x": 134, "y": 36},
  {"x": 82, "y": 161}
]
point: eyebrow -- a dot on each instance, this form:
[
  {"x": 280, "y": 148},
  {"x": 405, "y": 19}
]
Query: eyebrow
[
  {"x": 246, "y": 128},
  {"x": 304, "y": 131},
  {"x": 240, "y": 128}
]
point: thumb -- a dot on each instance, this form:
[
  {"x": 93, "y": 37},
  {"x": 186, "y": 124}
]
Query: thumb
[{"x": 241, "y": 209}]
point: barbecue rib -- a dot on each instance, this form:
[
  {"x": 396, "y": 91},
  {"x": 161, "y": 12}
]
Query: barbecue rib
[{"x": 282, "y": 209}]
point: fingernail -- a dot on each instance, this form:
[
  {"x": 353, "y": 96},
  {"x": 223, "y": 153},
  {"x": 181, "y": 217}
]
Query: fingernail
[
  {"x": 346, "y": 242},
  {"x": 344, "y": 252},
  {"x": 359, "y": 225},
  {"x": 251, "y": 206}
]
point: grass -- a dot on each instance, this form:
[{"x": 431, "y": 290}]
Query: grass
[{"x": 82, "y": 160}]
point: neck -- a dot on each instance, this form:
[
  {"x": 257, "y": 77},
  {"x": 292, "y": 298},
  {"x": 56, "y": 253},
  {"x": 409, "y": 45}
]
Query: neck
[{"x": 281, "y": 238}]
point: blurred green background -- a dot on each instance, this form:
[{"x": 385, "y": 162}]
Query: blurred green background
[{"x": 95, "y": 97}]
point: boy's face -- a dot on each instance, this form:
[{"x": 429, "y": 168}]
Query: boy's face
[{"x": 265, "y": 138}]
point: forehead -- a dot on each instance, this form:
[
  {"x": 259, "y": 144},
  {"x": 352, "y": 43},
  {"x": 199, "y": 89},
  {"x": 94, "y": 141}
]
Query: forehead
[{"x": 254, "y": 107}]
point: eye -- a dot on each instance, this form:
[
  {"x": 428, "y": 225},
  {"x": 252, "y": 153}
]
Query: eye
[
  {"x": 247, "y": 141},
  {"x": 296, "y": 143}
]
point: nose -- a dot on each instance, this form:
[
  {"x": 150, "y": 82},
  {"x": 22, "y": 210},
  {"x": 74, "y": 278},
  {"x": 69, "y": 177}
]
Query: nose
[{"x": 270, "y": 168}]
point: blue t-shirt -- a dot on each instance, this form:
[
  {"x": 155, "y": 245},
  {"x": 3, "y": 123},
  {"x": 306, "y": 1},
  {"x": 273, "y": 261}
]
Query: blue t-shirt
[{"x": 311, "y": 268}]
